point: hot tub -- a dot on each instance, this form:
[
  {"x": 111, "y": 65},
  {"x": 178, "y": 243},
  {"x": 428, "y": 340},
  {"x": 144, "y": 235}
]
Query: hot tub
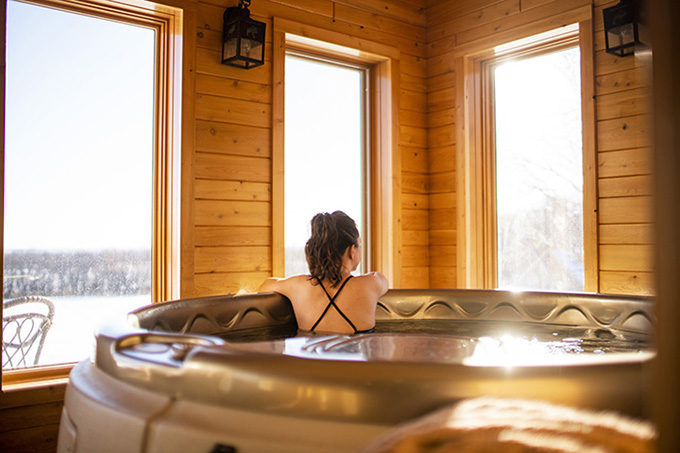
[{"x": 231, "y": 373}]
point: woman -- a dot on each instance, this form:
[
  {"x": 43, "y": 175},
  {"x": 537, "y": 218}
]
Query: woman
[{"x": 330, "y": 299}]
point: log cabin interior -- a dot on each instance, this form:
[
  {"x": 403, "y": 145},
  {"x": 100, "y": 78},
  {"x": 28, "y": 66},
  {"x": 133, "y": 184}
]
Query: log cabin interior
[{"x": 223, "y": 133}]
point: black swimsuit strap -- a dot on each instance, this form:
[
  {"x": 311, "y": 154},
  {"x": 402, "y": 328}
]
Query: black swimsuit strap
[
  {"x": 331, "y": 302},
  {"x": 332, "y": 299}
]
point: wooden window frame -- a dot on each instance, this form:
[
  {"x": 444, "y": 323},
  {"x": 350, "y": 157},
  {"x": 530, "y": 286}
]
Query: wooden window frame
[
  {"x": 476, "y": 218},
  {"x": 167, "y": 22},
  {"x": 385, "y": 162}
]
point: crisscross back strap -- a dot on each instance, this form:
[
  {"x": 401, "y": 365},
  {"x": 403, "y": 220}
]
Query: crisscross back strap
[{"x": 331, "y": 302}]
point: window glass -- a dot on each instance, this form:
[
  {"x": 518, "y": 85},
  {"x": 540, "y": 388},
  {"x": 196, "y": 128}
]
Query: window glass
[
  {"x": 539, "y": 170},
  {"x": 78, "y": 173},
  {"x": 324, "y": 149}
]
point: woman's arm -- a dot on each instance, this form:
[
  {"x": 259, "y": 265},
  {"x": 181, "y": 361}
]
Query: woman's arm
[
  {"x": 272, "y": 284},
  {"x": 285, "y": 286}
]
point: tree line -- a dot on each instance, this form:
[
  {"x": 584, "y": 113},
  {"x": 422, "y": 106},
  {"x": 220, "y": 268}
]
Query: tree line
[{"x": 76, "y": 273}]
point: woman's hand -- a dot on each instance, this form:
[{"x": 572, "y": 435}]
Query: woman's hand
[{"x": 379, "y": 285}]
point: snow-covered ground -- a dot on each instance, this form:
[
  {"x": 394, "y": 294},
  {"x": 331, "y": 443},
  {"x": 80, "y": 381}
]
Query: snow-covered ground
[{"x": 70, "y": 339}]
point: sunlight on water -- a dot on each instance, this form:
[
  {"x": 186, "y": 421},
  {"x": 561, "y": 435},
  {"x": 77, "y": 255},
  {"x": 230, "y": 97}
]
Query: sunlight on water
[{"x": 468, "y": 342}]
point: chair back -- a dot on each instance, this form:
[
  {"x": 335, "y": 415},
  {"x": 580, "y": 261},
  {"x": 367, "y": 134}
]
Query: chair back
[{"x": 25, "y": 323}]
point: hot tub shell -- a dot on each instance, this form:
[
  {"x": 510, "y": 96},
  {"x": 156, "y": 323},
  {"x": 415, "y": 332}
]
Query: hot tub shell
[{"x": 166, "y": 382}]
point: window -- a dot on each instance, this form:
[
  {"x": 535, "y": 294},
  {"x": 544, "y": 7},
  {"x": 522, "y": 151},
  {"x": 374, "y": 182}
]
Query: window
[
  {"x": 539, "y": 180},
  {"x": 326, "y": 162},
  {"x": 527, "y": 183},
  {"x": 375, "y": 167},
  {"x": 90, "y": 189}
]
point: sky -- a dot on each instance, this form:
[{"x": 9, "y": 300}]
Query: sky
[
  {"x": 539, "y": 158},
  {"x": 538, "y": 129},
  {"x": 79, "y": 142},
  {"x": 324, "y": 152}
]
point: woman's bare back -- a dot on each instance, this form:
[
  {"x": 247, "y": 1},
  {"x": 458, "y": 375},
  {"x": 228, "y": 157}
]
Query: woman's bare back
[{"x": 356, "y": 300}]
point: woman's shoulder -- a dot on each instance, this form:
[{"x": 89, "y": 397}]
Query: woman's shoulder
[
  {"x": 375, "y": 280},
  {"x": 280, "y": 284},
  {"x": 369, "y": 275}
]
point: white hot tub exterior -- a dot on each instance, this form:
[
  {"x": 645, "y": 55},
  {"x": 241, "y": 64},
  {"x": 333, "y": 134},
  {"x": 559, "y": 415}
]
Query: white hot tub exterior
[{"x": 167, "y": 383}]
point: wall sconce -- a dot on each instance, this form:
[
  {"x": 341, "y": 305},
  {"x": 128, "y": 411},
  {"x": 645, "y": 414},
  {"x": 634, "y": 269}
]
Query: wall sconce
[
  {"x": 242, "y": 38},
  {"x": 622, "y": 28}
]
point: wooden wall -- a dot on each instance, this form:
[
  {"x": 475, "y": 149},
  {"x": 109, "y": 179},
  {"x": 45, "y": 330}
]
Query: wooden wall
[
  {"x": 29, "y": 419},
  {"x": 230, "y": 233},
  {"x": 623, "y": 138},
  {"x": 441, "y": 100},
  {"x": 226, "y": 209},
  {"x": 624, "y": 168}
]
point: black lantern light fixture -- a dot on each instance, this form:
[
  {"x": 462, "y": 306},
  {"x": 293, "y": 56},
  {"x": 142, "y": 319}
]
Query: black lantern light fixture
[
  {"x": 622, "y": 28},
  {"x": 243, "y": 38}
]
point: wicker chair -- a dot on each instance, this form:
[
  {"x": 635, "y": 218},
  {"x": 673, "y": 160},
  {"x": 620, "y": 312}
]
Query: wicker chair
[{"x": 25, "y": 322}]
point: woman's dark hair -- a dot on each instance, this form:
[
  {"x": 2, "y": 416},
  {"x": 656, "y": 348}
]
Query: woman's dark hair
[{"x": 331, "y": 235}]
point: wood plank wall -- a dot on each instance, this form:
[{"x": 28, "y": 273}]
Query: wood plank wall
[
  {"x": 232, "y": 222},
  {"x": 623, "y": 138},
  {"x": 29, "y": 419},
  {"x": 624, "y": 168}
]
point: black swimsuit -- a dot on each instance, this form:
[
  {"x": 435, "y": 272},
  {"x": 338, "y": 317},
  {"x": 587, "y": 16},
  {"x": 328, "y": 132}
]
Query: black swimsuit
[{"x": 331, "y": 302}]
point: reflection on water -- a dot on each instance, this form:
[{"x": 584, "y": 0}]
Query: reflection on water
[{"x": 475, "y": 343}]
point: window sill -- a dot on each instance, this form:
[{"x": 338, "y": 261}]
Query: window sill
[{"x": 35, "y": 377}]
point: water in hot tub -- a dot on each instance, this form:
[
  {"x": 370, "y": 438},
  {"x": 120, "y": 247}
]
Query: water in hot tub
[{"x": 453, "y": 341}]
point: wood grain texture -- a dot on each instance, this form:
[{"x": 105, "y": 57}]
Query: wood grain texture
[
  {"x": 625, "y": 186},
  {"x": 228, "y": 283},
  {"x": 443, "y": 219},
  {"x": 233, "y": 236},
  {"x": 235, "y": 139},
  {"x": 631, "y": 258},
  {"x": 443, "y": 277},
  {"x": 232, "y": 168},
  {"x": 620, "y": 81},
  {"x": 641, "y": 283},
  {"x": 232, "y": 213},
  {"x": 625, "y": 162},
  {"x": 624, "y": 133},
  {"x": 620, "y": 104},
  {"x": 210, "y": 189},
  {"x": 415, "y": 277},
  {"x": 226, "y": 259},
  {"x": 640, "y": 233},
  {"x": 29, "y": 419},
  {"x": 625, "y": 210}
]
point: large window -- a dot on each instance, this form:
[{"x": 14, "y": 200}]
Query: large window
[
  {"x": 329, "y": 90},
  {"x": 539, "y": 171},
  {"x": 326, "y": 163},
  {"x": 89, "y": 183},
  {"x": 526, "y": 184}
]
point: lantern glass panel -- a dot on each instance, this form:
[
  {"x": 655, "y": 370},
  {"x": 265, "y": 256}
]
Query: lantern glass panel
[
  {"x": 251, "y": 49},
  {"x": 623, "y": 35},
  {"x": 252, "y": 40},
  {"x": 229, "y": 48}
]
